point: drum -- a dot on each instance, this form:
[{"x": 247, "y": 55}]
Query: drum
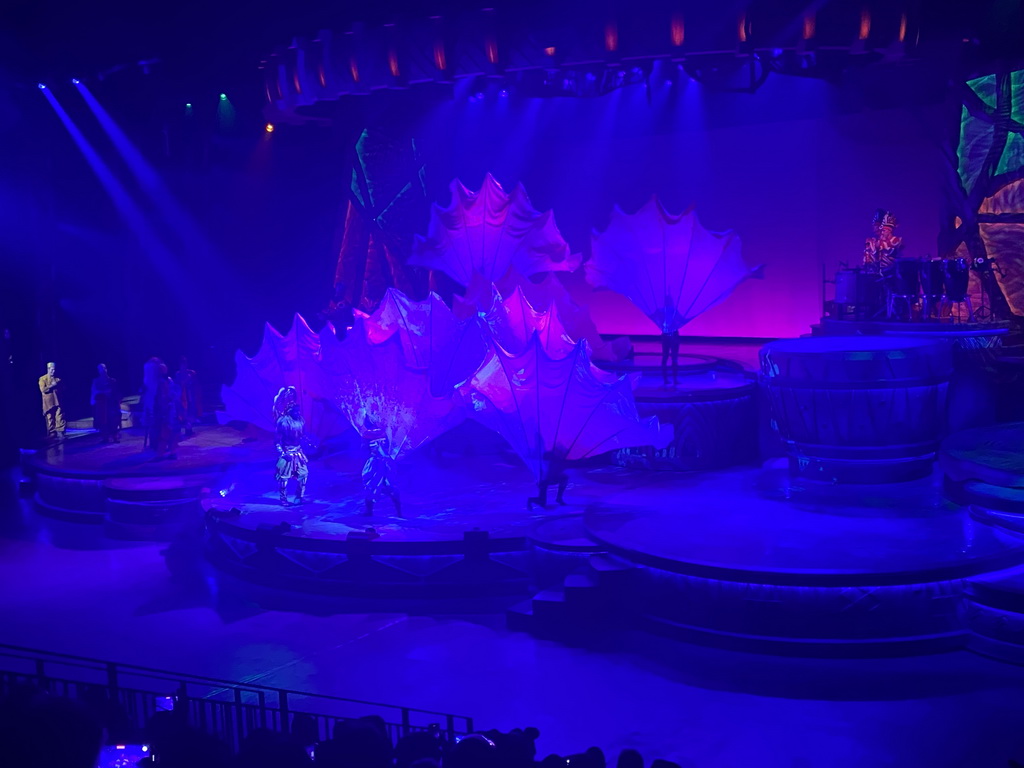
[
  {"x": 859, "y": 290},
  {"x": 856, "y": 409},
  {"x": 846, "y": 286},
  {"x": 904, "y": 277},
  {"x": 958, "y": 275},
  {"x": 933, "y": 277}
]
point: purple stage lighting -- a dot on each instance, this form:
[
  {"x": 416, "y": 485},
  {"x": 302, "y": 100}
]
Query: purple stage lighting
[
  {"x": 75, "y": 81},
  {"x": 42, "y": 86}
]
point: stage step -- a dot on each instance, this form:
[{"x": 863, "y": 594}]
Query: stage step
[
  {"x": 519, "y": 618},
  {"x": 995, "y": 614}
]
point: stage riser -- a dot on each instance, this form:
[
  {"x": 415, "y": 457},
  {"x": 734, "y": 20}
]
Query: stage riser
[
  {"x": 995, "y": 632},
  {"x": 858, "y": 411},
  {"x": 831, "y": 649},
  {"x": 804, "y": 614},
  {"x": 81, "y": 495},
  {"x": 357, "y": 571},
  {"x": 711, "y": 434},
  {"x": 91, "y": 503}
]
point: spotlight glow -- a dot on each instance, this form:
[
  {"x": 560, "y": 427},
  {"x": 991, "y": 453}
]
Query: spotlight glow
[
  {"x": 223, "y": 97},
  {"x": 269, "y": 127},
  {"x": 42, "y": 86},
  {"x": 75, "y": 81}
]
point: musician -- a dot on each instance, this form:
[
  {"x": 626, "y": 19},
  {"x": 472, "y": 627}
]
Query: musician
[{"x": 881, "y": 251}]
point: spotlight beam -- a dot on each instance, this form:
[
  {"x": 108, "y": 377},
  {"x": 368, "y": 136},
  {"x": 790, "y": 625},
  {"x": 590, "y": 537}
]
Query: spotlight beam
[
  {"x": 129, "y": 210},
  {"x": 147, "y": 177}
]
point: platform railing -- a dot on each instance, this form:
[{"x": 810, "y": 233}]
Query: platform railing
[{"x": 227, "y": 709}]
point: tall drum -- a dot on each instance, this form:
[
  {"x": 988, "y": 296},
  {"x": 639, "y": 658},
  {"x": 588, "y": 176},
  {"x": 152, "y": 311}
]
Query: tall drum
[
  {"x": 958, "y": 277},
  {"x": 858, "y": 409}
]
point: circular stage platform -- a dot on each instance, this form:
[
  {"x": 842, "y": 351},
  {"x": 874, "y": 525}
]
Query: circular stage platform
[{"x": 128, "y": 493}]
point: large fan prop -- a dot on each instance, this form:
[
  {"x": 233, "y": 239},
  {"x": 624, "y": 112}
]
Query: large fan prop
[
  {"x": 377, "y": 391},
  {"x": 549, "y": 407},
  {"x": 516, "y": 352},
  {"x": 433, "y": 340},
  {"x": 482, "y": 234},
  {"x": 669, "y": 265},
  {"x": 288, "y": 360},
  {"x": 513, "y": 322}
]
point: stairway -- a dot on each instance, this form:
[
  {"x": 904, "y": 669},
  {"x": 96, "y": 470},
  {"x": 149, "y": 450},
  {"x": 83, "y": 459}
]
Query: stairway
[{"x": 585, "y": 610}]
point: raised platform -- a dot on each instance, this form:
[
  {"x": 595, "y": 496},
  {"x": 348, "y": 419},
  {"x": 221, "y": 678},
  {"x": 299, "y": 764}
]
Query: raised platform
[
  {"x": 752, "y": 559},
  {"x": 130, "y": 492},
  {"x": 747, "y": 557},
  {"x": 971, "y": 335}
]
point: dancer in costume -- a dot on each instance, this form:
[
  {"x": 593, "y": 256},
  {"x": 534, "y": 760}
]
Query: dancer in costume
[
  {"x": 379, "y": 470},
  {"x": 106, "y": 406},
  {"x": 552, "y": 468},
  {"x": 669, "y": 340},
  {"x": 291, "y": 460},
  {"x": 190, "y": 396},
  {"x": 50, "y": 387}
]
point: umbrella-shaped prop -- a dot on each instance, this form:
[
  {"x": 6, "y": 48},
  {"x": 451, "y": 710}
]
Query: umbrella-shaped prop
[
  {"x": 669, "y": 265},
  {"x": 378, "y": 391},
  {"x": 558, "y": 407},
  {"x": 486, "y": 232},
  {"x": 513, "y": 321},
  {"x": 432, "y": 338},
  {"x": 283, "y": 360}
]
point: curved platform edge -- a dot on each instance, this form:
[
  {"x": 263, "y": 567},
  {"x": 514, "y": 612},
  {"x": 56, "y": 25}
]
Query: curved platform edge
[{"x": 807, "y": 647}]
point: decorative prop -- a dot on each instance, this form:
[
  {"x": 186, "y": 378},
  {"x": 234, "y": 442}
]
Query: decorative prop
[
  {"x": 558, "y": 407},
  {"x": 513, "y": 322},
  {"x": 669, "y": 265},
  {"x": 377, "y": 390},
  {"x": 433, "y": 340},
  {"x": 288, "y": 360},
  {"x": 985, "y": 222},
  {"x": 486, "y": 232}
]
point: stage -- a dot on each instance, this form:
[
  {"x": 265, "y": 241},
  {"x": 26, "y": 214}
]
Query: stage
[{"x": 747, "y": 557}]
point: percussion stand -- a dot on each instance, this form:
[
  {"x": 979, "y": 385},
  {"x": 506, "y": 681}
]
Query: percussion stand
[{"x": 970, "y": 309}]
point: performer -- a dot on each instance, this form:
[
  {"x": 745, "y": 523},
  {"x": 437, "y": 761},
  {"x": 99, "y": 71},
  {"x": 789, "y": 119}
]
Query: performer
[
  {"x": 379, "y": 470},
  {"x": 284, "y": 399},
  {"x": 106, "y": 406},
  {"x": 666, "y": 318},
  {"x": 291, "y": 460},
  {"x": 190, "y": 396},
  {"x": 150, "y": 389},
  {"x": 670, "y": 348},
  {"x": 552, "y": 473},
  {"x": 881, "y": 250},
  {"x": 50, "y": 387}
]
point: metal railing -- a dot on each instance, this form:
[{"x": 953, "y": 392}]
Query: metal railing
[{"x": 130, "y": 695}]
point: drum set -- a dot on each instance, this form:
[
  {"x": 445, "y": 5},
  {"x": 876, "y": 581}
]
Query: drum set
[{"x": 907, "y": 290}]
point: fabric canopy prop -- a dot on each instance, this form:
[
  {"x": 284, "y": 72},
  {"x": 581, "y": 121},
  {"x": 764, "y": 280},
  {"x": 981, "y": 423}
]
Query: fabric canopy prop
[
  {"x": 432, "y": 338},
  {"x": 546, "y": 406},
  {"x": 291, "y": 359},
  {"x": 670, "y": 266},
  {"x": 377, "y": 391},
  {"x": 486, "y": 232},
  {"x": 513, "y": 321}
]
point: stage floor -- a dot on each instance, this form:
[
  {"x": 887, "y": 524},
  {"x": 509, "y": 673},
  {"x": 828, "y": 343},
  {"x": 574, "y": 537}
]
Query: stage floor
[{"x": 738, "y": 524}]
